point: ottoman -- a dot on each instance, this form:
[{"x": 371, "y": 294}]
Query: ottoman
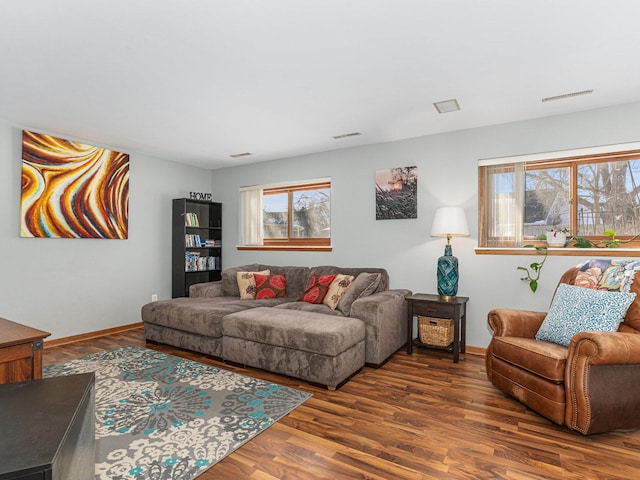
[{"x": 315, "y": 347}]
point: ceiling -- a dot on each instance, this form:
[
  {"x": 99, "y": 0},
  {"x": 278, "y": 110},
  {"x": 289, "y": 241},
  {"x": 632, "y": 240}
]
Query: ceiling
[{"x": 196, "y": 81}]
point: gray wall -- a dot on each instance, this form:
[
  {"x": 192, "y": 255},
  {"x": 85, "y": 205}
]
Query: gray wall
[
  {"x": 73, "y": 286},
  {"x": 447, "y": 176}
]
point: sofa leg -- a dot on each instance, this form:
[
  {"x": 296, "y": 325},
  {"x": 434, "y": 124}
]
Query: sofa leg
[
  {"x": 235, "y": 364},
  {"x": 378, "y": 365},
  {"x": 331, "y": 388}
]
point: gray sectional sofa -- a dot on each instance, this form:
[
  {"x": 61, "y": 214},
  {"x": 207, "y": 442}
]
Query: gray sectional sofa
[{"x": 309, "y": 341}]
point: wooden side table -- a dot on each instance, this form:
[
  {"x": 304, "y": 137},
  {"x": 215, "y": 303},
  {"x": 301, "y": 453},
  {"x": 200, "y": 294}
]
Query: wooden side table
[
  {"x": 433, "y": 306},
  {"x": 20, "y": 352}
]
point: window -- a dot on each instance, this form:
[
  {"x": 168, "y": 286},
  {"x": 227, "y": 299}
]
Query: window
[
  {"x": 296, "y": 215},
  {"x": 587, "y": 194}
]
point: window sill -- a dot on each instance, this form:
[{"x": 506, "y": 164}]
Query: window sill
[
  {"x": 299, "y": 248},
  {"x": 565, "y": 252}
]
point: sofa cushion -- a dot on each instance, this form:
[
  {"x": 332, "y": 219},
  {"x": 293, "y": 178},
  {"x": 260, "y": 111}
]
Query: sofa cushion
[
  {"x": 329, "y": 269},
  {"x": 317, "y": 289},
  {"x": 306, "y": 331},
  {"x": 545, "y": 359},
  {"x": 247, "y": 284},
  {"x": 200, "y": 315},
  {"x": 270, "y": 286},
  {"x": 230, "y": 279},
  {"x": 337, "y": 289},
  {"x": 364, "y": 285},
  {"x": 576, "y": 309},
  {"x": 296, "y": 277},
  {"x": 311, "y": 307}
]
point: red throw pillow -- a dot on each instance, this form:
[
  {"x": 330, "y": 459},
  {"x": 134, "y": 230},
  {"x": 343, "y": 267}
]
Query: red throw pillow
[
  {"x": 270, "y": 286},
  {"x": 317, "y": 288}
]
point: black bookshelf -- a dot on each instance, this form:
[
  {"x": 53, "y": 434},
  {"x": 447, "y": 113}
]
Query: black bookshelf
[{"x": 196, "y": 245}]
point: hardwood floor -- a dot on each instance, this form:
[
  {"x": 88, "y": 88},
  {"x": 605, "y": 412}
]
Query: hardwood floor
[{"x": 417, "y": 417}]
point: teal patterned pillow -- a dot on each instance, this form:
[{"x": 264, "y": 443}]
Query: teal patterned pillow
[{"x": 576, "y": 309}]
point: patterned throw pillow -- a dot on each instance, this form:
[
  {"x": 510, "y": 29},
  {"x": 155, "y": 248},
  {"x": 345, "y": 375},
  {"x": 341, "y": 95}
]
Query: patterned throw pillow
[
  {"x": 588, "y": 278},
  {"x": 613, "y": 278},
  {"x": 317, "y": 288},
  {"x": 247, "y": 284},
  {"x": 364, "y": 285},
  {"x": 270, "y": 286},
  {"x": 337, "y": 289},
  {"x": 576, "y": 309}
]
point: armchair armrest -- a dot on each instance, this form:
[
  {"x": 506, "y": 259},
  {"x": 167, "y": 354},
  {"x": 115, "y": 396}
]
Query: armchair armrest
[
  {"x": 208, "y": 289},
  {"x": 515, "y": 323},
  {"x": 605, "y": 348},
  {"x": 385, "y": 320},
  {"x": 602, "y": 382}
]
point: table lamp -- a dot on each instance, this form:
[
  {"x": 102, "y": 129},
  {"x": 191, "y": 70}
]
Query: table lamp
[{"x": 449, "y": 222}]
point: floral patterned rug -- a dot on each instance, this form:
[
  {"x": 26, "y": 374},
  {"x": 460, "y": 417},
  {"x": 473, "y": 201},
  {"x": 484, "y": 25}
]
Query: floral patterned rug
[{"x": 163, "y": 417}]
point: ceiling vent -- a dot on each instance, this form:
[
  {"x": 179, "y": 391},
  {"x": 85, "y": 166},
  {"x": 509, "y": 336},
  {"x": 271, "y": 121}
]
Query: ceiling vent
[
  {"x": 239, "y": 155},
  {"x": 346, "y": 135},
  {"x": 447, "y": 106},
  {"x": 567, "y": 95}
]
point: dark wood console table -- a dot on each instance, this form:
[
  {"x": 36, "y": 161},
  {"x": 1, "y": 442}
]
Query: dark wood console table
[
  {"x": 48, "y": 429},
  {"x": 20, "y": 352}
]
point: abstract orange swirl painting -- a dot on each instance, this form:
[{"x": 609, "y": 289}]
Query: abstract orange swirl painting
[{"x": 73, "y": 190}]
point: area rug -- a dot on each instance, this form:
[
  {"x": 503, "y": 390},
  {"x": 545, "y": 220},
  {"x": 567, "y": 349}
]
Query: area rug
[{"x": 163, "y": 417}]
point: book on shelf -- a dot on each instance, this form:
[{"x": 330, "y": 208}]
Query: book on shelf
[
  {"x": 191, "y": 219},
  {"x": 210, "y": 243},
  {"x": 193, "y": 241},
  {"x": 194, "y": 262}
]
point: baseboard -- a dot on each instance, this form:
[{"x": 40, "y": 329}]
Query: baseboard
[
  {"x": 475, "y": 350},
  {"x": 87, "y": 336},
  {"x": 123, "y": 328}
]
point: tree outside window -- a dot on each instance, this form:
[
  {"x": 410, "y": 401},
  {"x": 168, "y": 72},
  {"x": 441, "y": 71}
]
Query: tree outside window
[{"x": 587, "y": 195}]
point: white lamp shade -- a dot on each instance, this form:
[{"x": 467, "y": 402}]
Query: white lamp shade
[{"x": 450, "y": 222}]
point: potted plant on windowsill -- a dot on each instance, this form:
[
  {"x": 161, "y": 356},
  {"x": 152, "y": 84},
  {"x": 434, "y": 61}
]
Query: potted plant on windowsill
[
  {"x": 557, "y": 238},
  {"x": 534, "y": 269}
]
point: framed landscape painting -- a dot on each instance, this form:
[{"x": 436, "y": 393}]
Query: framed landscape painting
[
  {"x": 72, "y": 190},
  {"x": 397, "y": 193}
]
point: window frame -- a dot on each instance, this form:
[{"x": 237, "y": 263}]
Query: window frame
[
  {"x": 571, "y": 159},
  {"x": 296, "y": 241},
  {"x": 289, "y": 243}
]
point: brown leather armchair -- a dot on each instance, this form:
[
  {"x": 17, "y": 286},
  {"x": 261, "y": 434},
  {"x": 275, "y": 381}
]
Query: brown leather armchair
[{"x": 591, "y": 386}]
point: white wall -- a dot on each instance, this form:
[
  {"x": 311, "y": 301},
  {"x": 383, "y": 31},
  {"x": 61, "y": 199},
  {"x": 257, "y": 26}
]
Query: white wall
[
  {"x": 73, "y": 286},
  {"x": 447, "y": 176}
]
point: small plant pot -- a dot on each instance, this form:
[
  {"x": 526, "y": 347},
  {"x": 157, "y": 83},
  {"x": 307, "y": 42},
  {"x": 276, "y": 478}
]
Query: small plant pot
[{"x": 556, "y": 239}]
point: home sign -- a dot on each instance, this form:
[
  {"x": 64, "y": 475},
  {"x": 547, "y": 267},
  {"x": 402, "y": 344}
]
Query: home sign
[{"x": 200, "y": 196}]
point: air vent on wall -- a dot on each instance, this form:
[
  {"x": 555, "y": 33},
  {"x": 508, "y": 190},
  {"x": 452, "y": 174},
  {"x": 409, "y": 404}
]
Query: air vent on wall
[
  {"x": 567, "y": 95},
  {"x": 238, "y": 155},
  {"x": 345, "y": 135}
]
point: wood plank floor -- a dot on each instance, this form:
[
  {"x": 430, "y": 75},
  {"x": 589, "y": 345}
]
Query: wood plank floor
[{"x": 417, "y": 417}]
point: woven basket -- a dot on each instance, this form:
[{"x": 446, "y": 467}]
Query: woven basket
[{"x": 435, "y": 331}]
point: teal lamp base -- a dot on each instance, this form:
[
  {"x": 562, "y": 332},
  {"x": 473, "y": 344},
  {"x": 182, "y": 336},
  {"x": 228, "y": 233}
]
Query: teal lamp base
[{"x": 447, "y": 274}]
